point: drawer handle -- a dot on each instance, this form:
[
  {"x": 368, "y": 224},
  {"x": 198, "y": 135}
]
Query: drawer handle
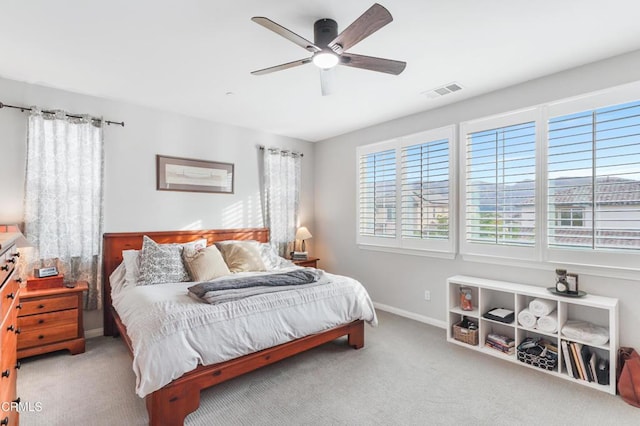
[
  {"x": 40, "y": 306},
  {"x": 16, "y": 401},
  {"x": 19, "y": 306},
  {"x": 4, "y": 267},
  {"x": 17, "y": 331},
  {"x": 12, "y": 260},
  {"x": 4, "y": 421},
  {"x": 6, "y": 373},
  {"x": 18, "y": 280},
  {"x": 18, "y": 365},
  {"x": 10, "y": 328},
  {"x": 11, "y": 296},
  {"x": 41, "y": 337},
  {"x": 16, "y": 254}
]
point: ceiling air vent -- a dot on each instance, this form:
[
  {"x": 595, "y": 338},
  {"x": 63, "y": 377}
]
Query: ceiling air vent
[{"x": 442, "y": 90}]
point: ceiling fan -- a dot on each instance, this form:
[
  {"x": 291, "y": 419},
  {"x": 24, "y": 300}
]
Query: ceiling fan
[{"x": 329, "y": 48}]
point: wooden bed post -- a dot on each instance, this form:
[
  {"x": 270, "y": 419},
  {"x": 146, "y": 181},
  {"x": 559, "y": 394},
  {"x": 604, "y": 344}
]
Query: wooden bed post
[
  {"x": 170, "y": 405},
  {"x": 356, "y": 336}
]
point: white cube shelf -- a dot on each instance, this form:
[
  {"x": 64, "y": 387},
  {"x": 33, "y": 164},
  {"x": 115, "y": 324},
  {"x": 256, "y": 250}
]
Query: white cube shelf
[{"x": 489, "y": 294}]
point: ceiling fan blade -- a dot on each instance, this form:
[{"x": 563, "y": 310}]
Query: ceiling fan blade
[
  {"x": 368, "y": 23},
  {"x": 281, "y": 67},
  {"x": 326, "y": 81},
  {"x": 373, "y": 64},
  {"x": 288, "y": 34}
]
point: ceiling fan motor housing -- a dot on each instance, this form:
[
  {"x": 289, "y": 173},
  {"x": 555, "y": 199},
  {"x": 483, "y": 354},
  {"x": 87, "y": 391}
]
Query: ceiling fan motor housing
[{"x": 324, "y": 32}]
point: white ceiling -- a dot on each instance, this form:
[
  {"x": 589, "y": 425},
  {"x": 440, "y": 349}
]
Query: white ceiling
[{"x": 185, "y": 56}]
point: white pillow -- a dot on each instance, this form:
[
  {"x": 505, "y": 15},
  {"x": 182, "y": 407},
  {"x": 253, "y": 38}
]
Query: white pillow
[
  {"x": 117, "y": 279},
  {"x": 271, "y": 259},
  {"x": 131, "y": 260}
]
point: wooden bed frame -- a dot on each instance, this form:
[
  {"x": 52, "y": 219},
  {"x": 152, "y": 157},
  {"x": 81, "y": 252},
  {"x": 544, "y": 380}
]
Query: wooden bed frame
[{"x": 172, "y": 403}]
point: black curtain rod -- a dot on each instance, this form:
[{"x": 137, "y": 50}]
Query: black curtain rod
[
  {"x": 262, "y": 148},
  {"x": 23, "y": 109}
]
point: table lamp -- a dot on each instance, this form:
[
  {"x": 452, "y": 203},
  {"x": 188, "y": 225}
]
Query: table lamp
[{"x": 303, "y": 234}]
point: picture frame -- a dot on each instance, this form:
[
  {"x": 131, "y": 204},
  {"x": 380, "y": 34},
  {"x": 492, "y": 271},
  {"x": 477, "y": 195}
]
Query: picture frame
[
  {"x": 191, "y": 175},
  {"x": 572, "y": 283}
]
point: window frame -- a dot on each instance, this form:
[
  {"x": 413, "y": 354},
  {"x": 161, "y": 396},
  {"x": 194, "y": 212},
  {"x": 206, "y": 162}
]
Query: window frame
[
  {"x": 473, "y": 250},
  {"x": 590, "y": 258},
  {"x": 445, "y": 248}
]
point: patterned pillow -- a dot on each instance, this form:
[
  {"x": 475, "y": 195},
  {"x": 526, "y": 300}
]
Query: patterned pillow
[{"x": 161, "y": 263}]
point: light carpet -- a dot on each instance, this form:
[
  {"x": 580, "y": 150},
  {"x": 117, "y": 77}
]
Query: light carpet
[{"x": 407, "y": 374}]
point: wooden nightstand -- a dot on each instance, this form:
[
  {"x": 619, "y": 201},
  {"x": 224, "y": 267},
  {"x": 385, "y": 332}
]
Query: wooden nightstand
[
  {"x": 311, "y": 262},
  {"x": 51, "y": 320}
]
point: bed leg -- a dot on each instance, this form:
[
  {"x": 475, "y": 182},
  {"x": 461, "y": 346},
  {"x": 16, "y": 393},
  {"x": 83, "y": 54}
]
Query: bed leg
[
  {"x": 170, "y": 406},
  {"x": 356, "y": 335}
]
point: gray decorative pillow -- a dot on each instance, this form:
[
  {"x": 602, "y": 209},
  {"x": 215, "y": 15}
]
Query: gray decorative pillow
[{"x": 161, "y": 263}]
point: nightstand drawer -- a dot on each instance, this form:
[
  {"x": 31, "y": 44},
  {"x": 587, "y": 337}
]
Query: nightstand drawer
[
  {"x": 42, "y": 336},
  {"x": 52, "y": 319},
  {"x": 30, "y": 307}
]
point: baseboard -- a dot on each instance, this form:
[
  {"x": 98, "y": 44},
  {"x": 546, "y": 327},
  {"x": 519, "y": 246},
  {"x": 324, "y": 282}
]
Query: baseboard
[
  {"x": 96, "y": 332},
  {"x": 410, "y": 315}
]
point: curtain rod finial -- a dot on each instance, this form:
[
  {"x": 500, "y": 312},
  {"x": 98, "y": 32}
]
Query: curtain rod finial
[{"x": 1, "y": 105}]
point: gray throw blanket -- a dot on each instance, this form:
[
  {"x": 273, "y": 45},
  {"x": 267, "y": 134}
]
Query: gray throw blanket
[{"x": 264, "y": 283}]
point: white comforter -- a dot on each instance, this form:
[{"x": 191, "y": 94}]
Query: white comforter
[{"x": 172, "y": 333}]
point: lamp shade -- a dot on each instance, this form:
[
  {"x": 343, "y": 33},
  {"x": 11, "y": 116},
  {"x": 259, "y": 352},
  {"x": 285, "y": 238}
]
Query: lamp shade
[{"x": 303, "y": 233}]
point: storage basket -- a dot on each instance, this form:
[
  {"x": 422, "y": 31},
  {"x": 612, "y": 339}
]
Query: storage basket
[
  {"x": 465, "y": 335},
  {"x": 536, "y": 355}
]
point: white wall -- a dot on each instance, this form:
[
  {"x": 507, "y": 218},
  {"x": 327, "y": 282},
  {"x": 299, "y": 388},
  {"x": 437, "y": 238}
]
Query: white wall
[
  {"x": 132, "y": 202},
  {"x": 400, "y": 280}
]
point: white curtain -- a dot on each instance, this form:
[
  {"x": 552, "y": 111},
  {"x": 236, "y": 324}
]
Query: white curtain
[
  {"x": 281, "y": 196},
  {"x": 63, "y": 196}
]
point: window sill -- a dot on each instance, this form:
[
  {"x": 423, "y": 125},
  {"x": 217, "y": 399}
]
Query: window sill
[
  {"x": 412, "y": 252},
  {"x": 595, "y": 270}
]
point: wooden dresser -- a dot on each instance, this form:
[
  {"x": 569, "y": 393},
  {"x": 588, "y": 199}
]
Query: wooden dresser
[
  {"x": 51, "y": 320},
  {"x": 9, "y": 330}
]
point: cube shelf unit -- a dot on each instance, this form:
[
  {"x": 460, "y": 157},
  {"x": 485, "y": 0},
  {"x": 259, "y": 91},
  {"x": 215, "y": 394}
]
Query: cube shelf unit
[{"x": 489, "y": 294}]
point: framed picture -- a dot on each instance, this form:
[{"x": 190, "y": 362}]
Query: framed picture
[
  {"x": 572, "y": 283},
  {"x": 186, "y": 174}
]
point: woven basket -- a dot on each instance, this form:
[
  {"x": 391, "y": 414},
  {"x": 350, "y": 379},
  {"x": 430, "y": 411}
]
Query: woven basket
[{"x": 465, "y": 335}]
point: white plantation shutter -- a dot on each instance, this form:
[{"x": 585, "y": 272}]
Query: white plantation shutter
[
  {"x": 425, "y": 191},
  {"x": 377, "y": 194},
  {"x": 405, "y": 193},
  {"x": 594, "y": 179},
  {"x": 500, "y": 185}
]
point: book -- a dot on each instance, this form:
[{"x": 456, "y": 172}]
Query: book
[
  {"x": 585, "y": 356},
  {"x": 567, "y": 358},
  {"x": 576, "y": 358}
]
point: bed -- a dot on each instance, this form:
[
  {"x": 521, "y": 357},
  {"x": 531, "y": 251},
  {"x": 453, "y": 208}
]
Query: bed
[{"x": 171, "y": 403}]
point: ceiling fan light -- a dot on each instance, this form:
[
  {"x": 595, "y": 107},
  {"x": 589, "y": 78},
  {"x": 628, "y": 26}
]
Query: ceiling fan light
[{"x": 325, "y": 60}]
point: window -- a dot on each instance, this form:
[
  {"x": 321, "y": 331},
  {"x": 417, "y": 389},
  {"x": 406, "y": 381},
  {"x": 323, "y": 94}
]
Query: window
[
  {"x": 378, "y": 194},
  {"x": 569, "y": 217},
  {"x": 405, "y": 192},
  {"x": 500, "y": 185},
  {"x": 425, "y": 190},
  {"x": 594, "y": 163}
]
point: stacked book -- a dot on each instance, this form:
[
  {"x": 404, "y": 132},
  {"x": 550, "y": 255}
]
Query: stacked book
[
  {"x": 501, "y": 343},
  {"x": 299, "y": 255}
]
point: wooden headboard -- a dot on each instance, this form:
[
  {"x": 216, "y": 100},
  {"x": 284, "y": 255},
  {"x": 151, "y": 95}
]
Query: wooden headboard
[{"x": 114, "y": 243}]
